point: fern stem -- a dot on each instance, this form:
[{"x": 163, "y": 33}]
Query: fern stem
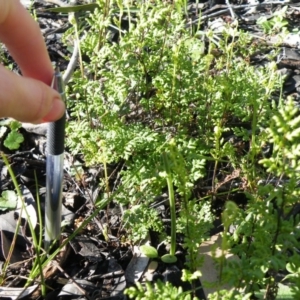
[{"x": 172, "y": 203}]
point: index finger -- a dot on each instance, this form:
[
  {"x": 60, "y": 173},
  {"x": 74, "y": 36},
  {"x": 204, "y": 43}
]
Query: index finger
[{"x": 23, "y": 38}]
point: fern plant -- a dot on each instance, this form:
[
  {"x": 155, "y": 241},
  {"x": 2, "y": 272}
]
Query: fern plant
[
  {"x": 266, "y": 235},
  {"x": 152, "y": 89}
]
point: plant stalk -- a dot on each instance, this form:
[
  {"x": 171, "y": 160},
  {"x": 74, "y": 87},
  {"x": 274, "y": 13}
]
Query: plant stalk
[{"x": 172, "y": 203}]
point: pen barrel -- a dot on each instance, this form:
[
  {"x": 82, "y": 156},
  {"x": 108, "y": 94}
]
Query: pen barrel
[
  {"x": 56, "y": 130},
  {"x": 53, "y": 207},
  {"x": 55, "y": 166},
  {"x": 54, "y": 180},
  {"x": 56, "y": 137}
]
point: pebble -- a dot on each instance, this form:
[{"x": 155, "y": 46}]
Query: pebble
[{"x": 152, "y": 266}]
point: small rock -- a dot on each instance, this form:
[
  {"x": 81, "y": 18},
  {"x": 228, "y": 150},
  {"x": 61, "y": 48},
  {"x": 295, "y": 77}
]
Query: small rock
[{"x": 152, "y": 266}]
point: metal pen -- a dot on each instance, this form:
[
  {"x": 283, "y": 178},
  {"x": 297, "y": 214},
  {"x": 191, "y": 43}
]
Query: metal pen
[{"x": 54, "y": 169}]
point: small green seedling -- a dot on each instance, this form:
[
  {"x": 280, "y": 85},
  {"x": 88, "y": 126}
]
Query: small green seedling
[
  {"x": 151, "y": 252},
  {"x": 14, "y": 138},
  {"x": 278, "y": 23},
  {"x": 8, "y": 200}
]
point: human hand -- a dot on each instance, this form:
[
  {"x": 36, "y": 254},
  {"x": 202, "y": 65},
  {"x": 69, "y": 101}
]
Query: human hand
[{"x": 27, "y": 98}]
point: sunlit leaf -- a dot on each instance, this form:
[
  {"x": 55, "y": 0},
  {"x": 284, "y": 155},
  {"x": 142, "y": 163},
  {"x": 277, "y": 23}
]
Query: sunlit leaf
[
  {"x": 149, "y": 251},
  {"x": 169, "y": 259},
  {"x": 13, "y": 140},
  {"x": 8, "y": 200},
  {"x": 15, "y": 125}
]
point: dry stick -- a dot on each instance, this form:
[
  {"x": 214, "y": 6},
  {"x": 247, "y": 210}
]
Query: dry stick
[
  {"x": 72, "y": 63},
  {"x": 233, "y": 15},
  {"x": 107, "y": 275},
  {"x": 57, "y": 2},
  {"x": 75, "y": 55},
  {"x": 233, "y": 7},
  {"x": 73, "y": 281}
]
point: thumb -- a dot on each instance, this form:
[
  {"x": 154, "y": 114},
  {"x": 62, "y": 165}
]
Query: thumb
[{"x": 28, "y": 100}]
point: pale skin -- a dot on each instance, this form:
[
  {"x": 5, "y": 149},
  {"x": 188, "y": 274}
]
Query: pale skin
[{"x": 27, "y": 98}]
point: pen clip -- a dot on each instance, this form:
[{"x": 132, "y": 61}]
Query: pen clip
[{"x": 58, "y": 83}]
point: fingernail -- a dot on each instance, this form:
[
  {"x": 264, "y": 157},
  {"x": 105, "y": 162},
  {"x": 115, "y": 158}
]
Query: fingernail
[{"x": 56, "y": 112}]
